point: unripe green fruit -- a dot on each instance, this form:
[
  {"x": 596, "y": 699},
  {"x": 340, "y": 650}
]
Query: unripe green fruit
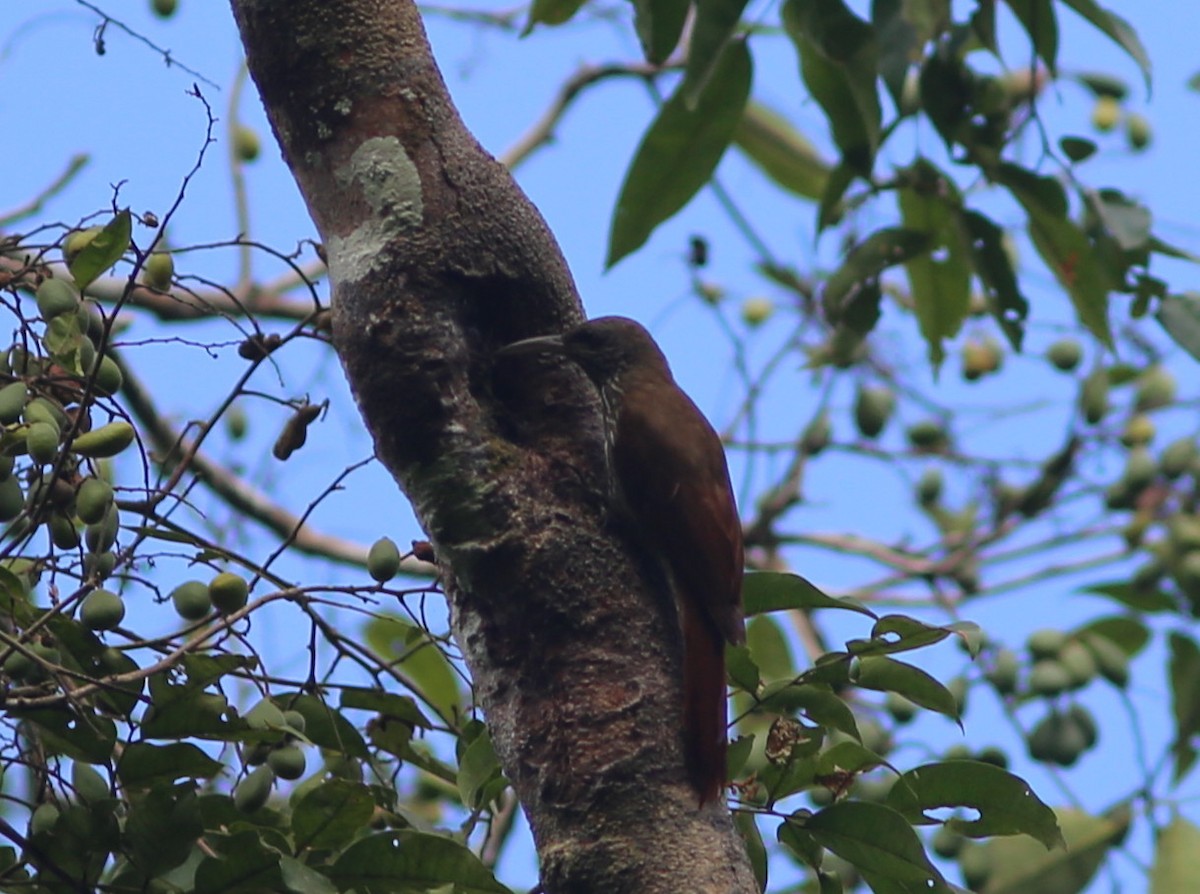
[
  {"x": 42, "y": 442},
  {"x": 1005, "y": 671},
  {"x": 1093, "y": 395},
  {"x": 947, "y": 843},
  {"x": 159, "y": 270},
  {"x": 817, "y": 434},
  {"x": 92, "y": 500},
  {"x": 1065, "y": 354},
  {"x": 1085, "y": 723},
  {"x": 43, "y": 820},
  {"x": 192, "y": 600},
  {"x": 164, "y": 9},
  {"x": 288, "y": 762},
  {"x": 929, "y": 487},
  {"x": 1140, "y": 469},
  {"x": 12, "y": 500},
  {"x": 98, "y": 566},
  {"x": 12, "y": 402},
  {"x": 295, "y": 720},
  {"x": 88, "y": 784},
  {"x": 253, "y": 791},
  {"x": 1058, "y": 740},
  {"x": 265, "y": 715},
  {"x": 108, "y": 440},
  {"x": 246, "y": 143},
  {"x": 994, "y": 756},
  {"x": 1155, "y": 389},
  {"x": 1178, "y": 457},
  {"x": 19, "y": 666},
  {"x": 229, "y": 592},
  {"x": 1046, "y": 643},
  {"x": 63, "y": 532},
  {"x": 41, "y": 409},
  {"x": 1079, "y": 662},
  {"x": 873, "y": 406},
  {"x": 1106, "y": 113},
  {"x": 980, "y": 357},
  {"x": 756, "y": 311},
  {"x": 927, "y": 436},
  {"x": 102, "y": 610},
  {"x": 383, "y": 560},
  {"x": 1139, "y": 431},
  {"x": 55, "y": 297},
  {"x": 100, "y": 537},
  {"x": 236, "y": 422},
  {"x": 256, "y": 755},
  {"x": 1049, "y": 678},
  {"x": 1137, "y": 131},
  {"x": 1187, "y": 575},
  {"x": 1111, "y": 659},
  {"x": 976, "y": 864},
  {"x": 901, "y": 709},
  {"x": 108, "y": 377}
]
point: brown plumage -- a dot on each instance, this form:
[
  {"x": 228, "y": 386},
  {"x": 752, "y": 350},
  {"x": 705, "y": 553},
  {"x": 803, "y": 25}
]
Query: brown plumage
[{"x": 669, "y": 476}]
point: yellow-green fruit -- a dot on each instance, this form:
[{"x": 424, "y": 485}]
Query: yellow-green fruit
[
  {"x": 42, "y": 442},
  {"x": 102, "y": 610},
  {"x": 12, "y": 500},
  {"x": 228, "y": 592},
  {"x": 164, "y": 9},
  {"x": 192, "y": 600},
  {"x": 1065, "y": 354},
  {"x": 980, "y": 357},
  {"x": 1140, "y": 469},
  {"x": 756, "y": 311},
  {"x": 92, "y": 500},
  {"x": 12, "y": 401},
  {"x": 63, "y": 532},
  {"x": 383, "y": 559},
  {"x": 1079, "y": 662},
  {"x": 253, "y": 791},
  {"x": 77, "y": 241},
  {"x": 947, "y": 843},
  {"x": 1137, "y": 131},
  {"x": 1046, "y": 643},
  {"x": 1178, "y": 457},
  {"x": 108, "y": 440},
  {"x": 287, "y": 762},
  {"x": 159, "y": 270},
  {"x": 1156, "y": 388},
  {"x": 246, "y": 143},
  {"x": 873, "y": 406},
  {"x": 108, "y": 376},
  {"x": 88, "y": 784},
  {"x": 1139, "y": 431},
  {"x": 1093, "y": 395},
  {"x": 1048, "y": 677},
  {"x": 236, "y": 422},
  {"x": 1106, "y": 113},
  {"x": 55, "y": 297},
  {"x": 976, "y": 864},
  {"x": 43, "y": 820}
]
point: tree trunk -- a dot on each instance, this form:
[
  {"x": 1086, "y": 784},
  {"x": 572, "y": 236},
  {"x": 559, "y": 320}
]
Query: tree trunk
[{"x": 436, "y": 259}]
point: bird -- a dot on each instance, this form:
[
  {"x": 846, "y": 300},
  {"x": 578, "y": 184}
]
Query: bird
[{"x": 668, "y": 477}]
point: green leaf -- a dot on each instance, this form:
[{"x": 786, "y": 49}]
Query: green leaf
[
  {"x": 81, "y": 737},
  {"x": 1040, "y": 22},
  {"x": 1077, "y": 149},
  {"x": 162, "y": 827},
  {"x": 477, "y": 771},
  {"x": 659, "y": 25},
  {"x": 331, "y": 815},
  {"x": 420, "y": 660},
  {"x": 1175, "y": 866},
  {"x": 772, "y": 591},
  {"x": 1006, "y": 804},
  {"x": 679, "y": 153},
  {"x": 1126, "y": 220},
  {"x": 99, "y": 255},
  {"x": 712, "y": 33},
  {"x": 888, "y": 675},
  {"x": 904, "y": 28},
  {"x": 907, "y": 633},
  {"x": 1117, "y": 29},
  {"x": 993, "y": 266},
  {"x": 884, "y": 248},
  {"x": 815, "y": 701},
  {"x": 839, "y": 63},
  {"x": 143, "y": 763},
  {"x": 1063, "y": 246},
  {"x": 1022, "y": 865},
  {"x": 388, "y": 704},
  {"x": 300, "y": 879},
  {"x": 1184, "y": 676},
  {"x": 877, "y": 840},
  {"x": 795, "y": 838},
  {"x": 1154, "y": 600},
  {"x": 769, "y": 648},
  {"x": 404, "y": 861},
  {"x": 781, "y": 152},
  {"x": 326, "y": 727},
  {"x": 941, "y": 278},
  {"x": 1179, "y": 315},
  {"x": 847, "y": 757},
  {"x": 245, "y": 864},
  {"x": 747, "y": 828},
  {"x": 1127, "y": 632},
  {"x": 551, "y": 12}
]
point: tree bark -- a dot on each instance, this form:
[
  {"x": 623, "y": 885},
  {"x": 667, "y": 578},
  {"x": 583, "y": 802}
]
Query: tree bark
[{"x": 436, "y": 259}]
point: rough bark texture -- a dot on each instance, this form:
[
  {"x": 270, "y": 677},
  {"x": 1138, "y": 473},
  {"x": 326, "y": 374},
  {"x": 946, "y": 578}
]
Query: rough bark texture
[{"x": 437, "y": 259}]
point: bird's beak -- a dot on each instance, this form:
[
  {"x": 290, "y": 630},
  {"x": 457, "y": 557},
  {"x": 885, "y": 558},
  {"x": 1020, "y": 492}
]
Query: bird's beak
[{"x": 543, "y": 344}]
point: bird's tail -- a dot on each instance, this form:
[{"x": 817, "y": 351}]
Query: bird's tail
[{"x": 704, "y": 716}]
